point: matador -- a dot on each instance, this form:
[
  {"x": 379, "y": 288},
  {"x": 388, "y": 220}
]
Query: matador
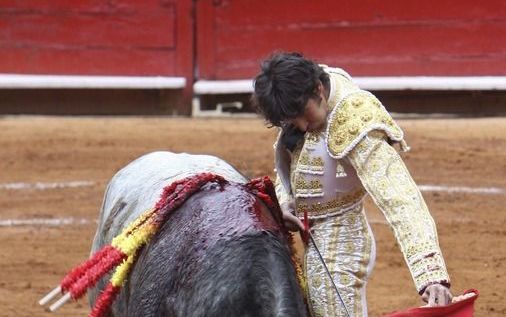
[{"x": 336, "y": 145}]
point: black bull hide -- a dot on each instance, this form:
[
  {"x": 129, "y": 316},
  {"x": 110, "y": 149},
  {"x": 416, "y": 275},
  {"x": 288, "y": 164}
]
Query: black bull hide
[{"x": 220, "y": 254}]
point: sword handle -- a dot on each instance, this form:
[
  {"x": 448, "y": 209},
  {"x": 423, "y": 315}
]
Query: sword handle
[{"x": 305, "y": 234}]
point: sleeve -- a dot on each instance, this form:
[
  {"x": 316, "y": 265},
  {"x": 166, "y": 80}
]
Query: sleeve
[
  {"x": 387, "y": 180},
  {"x": 282, "y": 170},
  {"x": 281, "y": 192}
]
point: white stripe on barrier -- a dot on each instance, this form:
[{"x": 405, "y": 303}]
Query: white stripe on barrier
[
  {"x": 446, "y": 220},
  {"x": 27, "y": 81},
  {"x": 43, "y": 186},
  {"x": 50, "y": 222},
  {"x": 380, "y": 83},
  {"x": 462, "y": 189}
]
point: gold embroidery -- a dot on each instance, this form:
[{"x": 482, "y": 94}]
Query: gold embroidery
[
  {"x": 332, "y": 243},
  {"x": 340, "y": 172},
  {"x": 354, "y": 128},
  {"x": 357, "y": 114},
  {"x": 345, "y": 244},
  {"x": 366, "y": 116},
  {"x": 308, "y": 188},
  {"x": 387, "y": 180},
  {"x": 304, "y": 159},
  {"x": 312, "y": 138},
  {"x": 341, "y": 117},
  {"x": 345, "y": 279},
  {"x": 311, "y": 165},
  {"x": 318, "y": 161},
  {"x": 332, "y": 206}
]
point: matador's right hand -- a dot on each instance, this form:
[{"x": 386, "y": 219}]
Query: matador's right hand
[{"x": 291, "y": 221}]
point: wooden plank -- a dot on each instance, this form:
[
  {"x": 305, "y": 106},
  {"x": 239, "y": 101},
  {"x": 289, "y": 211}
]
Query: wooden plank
[
  {"x": 87, "y": 62},
  {"x": 84, "y": 6},
  {"x": 386, "y": 51},
  {"x": 95, "y": 37},
  {"x": 185, "y": 53},
  {"x": 206, "y": 40},
  {"x": 375, "y": 42},
  {"x": 368, "y": 38},
  {"x": 155, "y": 31},
  {"x": 248, "y": 13}
]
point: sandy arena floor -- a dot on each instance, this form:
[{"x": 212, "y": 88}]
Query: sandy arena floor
[{"x": 52, "y": 151}]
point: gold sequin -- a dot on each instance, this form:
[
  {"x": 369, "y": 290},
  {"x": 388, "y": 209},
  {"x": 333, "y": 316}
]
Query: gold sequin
[
  {"x": 353, "y": 129},
  {"x": 345, "y": 279},
  {"x": 340, "y": 137},
  {"x": 357, "y": 102},
  {"x": 341, "y": 118},
  {"x": 366, "y": 117}
]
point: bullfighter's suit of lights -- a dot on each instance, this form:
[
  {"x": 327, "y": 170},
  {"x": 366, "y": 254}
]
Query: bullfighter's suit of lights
[{"x": 328, "y": 174}]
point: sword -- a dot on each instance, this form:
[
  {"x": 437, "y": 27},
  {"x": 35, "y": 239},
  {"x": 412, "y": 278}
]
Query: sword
[{"x": 308, "y": 236}]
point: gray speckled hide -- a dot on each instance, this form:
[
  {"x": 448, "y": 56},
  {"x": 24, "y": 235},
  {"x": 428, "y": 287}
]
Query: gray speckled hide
[
  {"x": 138, "y": 186},
  {"x": 188, "y": 268}
]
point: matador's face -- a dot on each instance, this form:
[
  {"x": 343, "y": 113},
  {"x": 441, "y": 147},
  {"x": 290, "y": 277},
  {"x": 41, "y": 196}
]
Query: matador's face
[{"x": 315, "y": 113}]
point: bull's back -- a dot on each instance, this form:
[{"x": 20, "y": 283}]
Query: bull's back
[
  {"x": 138, "y": 186},
  {"x": 215, "y": 256}
]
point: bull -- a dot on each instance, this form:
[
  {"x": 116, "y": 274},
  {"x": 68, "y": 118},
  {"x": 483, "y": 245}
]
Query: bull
[{"x": 222, "y": 253}]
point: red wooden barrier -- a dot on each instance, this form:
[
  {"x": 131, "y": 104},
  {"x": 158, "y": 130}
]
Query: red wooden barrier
[
  {"x": 367, "y": 38},
  {"x": 95, "y": 37}
]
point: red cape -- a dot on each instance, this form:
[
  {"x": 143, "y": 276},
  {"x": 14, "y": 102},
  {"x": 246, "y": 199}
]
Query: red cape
[{"x": 464, "y": 308}]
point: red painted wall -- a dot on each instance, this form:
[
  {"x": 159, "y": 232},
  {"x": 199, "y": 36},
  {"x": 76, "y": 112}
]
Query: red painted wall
[
  {"x": 367, "y": 38},
  {"x": 96, "y": 37},
  {"x": 155, "y": 37}
]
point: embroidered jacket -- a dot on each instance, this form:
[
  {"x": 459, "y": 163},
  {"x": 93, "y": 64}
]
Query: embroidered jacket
[{"x": 330, "y": 171}]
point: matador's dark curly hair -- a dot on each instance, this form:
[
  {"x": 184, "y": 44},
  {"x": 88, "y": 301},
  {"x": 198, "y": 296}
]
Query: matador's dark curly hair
[{"x": 284, "y": 85}]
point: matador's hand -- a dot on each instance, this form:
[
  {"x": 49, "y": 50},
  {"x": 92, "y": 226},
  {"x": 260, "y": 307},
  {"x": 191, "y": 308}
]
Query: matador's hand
[
  {"x": 437, "y": 295},
  {"x": 292, "y": 223}
]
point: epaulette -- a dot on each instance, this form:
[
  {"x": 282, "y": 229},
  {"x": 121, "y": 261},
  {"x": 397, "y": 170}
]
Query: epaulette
[
  {"x": 353, "y": 117},
  {"x": 335, "y": 71}
]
